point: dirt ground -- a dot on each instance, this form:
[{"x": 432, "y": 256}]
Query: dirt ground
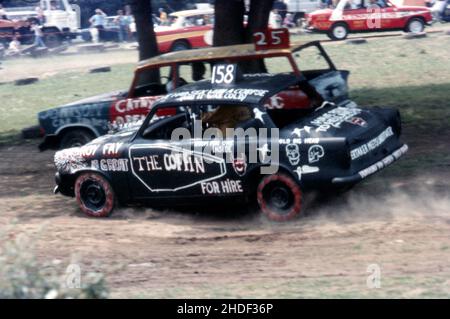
[{"x": 400, "y": 223}]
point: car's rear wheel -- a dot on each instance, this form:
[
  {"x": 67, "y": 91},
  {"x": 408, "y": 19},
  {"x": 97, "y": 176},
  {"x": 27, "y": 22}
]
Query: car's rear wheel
[
  {"x": 52, "y": 39},
  {"x": 75, "y": 138},
  {"x": 415, "y": 25},
  {"x": 94, "y": 195},
  {"x": 180, "y": 45},
  {"x": 339, "y": 31},
  {"x": 279, "y": 197}
]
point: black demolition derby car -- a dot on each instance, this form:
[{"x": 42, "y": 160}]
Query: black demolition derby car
[{"x": 280, "y": 155}]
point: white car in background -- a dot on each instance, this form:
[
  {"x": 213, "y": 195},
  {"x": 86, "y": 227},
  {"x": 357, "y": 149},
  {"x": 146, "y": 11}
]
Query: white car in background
[{"x": 188, "y": 18}]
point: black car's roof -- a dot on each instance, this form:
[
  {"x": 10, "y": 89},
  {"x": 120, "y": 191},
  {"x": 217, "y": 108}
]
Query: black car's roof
[{"x": 253, "y": 89}]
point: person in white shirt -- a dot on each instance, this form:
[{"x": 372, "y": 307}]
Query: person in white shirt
[
  {"x": 98, "y": 22},
  {"x": 438, "y": 9},
  {"x": 38, "y": 35},
  {"x": 275, "y": 19},
  {"x": 3, "y": 13},
  {"x": 14, "y": 46}
]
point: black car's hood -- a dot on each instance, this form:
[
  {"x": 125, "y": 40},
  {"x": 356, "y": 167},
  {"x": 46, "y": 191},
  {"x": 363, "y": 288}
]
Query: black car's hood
[
  {"x": 71, "y": 160},
  {"x": 105, "y": 98}
]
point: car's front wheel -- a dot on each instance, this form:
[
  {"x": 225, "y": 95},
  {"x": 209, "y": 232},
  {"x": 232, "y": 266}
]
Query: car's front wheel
[
  {"x": 75, "y": 138},
  {"x": 339, "y": 31},
  {"x": 415, "y": 25},
  {"x": 279, "y": 197},
  {"x": 180, "y": 45},
  {"x": 94, "y": 195}
]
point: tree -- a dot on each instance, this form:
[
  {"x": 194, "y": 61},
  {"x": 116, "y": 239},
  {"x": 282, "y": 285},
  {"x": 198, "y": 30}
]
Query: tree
[
  {"x": 258, "y": 17},
  {"x": 229, "y": 25},
  {"x": 229, "y": 22},
  {"x": 148, "y": 46}
]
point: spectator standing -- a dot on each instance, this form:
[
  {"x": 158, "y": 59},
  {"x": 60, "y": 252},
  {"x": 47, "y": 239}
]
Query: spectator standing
[
  {"x": 40, "y": 15},
  {"x": 38, "y": 35},
  {"x": 289, "y": 21},
  {"x": 438, "y": 9},
  {"x": 98, "y": 22},
  {"x": 3, "y": 13},
  {"x": 163, "y": 17},
  {"x": 123, "y": 22},
  {"x": 281, "y": 6},
  {"x": 14, "y": 48},
  {"x": 275, "y": 19}
]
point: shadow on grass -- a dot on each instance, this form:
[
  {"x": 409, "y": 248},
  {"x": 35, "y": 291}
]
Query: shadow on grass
[
  {"x": 422, "y": 106},
  {"x": 12, "y": 137}
]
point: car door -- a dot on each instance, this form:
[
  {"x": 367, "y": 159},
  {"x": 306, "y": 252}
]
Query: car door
[
  {"x": 163, "y": 167},
  {"x": 391, "y": 18},
  {"x": 356, "y": 18},
  {"x": 137, "y": 103},
  {"x": 130, "y": 110}
]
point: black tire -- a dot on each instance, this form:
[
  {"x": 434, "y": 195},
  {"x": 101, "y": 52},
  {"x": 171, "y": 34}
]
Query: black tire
[
  {"x": 415, "y": 25},
  {"x": 94, "y": 195},
  {"x": 52, "y": 40},
  {"x": 86, "y": 36},
  {"x": 75, "y": 138},
  {"x": 180, "y": 45},
  {"x": 26, "y": 81},
  {"x": 32, "y": 132},
  {"x": 279, "y": 197},
  {"x": 338, "y": 31}
]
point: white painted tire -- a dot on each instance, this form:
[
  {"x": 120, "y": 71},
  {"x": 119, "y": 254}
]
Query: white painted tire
[{"x": 415, "y": 26}]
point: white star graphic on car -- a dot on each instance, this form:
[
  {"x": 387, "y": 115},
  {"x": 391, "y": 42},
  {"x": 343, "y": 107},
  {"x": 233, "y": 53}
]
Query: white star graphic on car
[
  {"x": 258, "y": 114},
  {"x": 306, "y": 169},
  {"x": 263, "y": 151},
  {"x": 299, "y": 172},
  {"x": 298, "y": 131}
]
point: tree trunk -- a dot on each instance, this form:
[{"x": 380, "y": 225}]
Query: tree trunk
[
  {"x": 148, "y": 46},
  {"x": 229, "y": 26},
  {"x": 229, "y": 22},
  {"x": 258, "y": 17}
]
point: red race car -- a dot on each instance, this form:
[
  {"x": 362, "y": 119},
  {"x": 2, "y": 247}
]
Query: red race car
[
  {"x": 367, "y": 16},
  {"x": 188, "y": 29}
]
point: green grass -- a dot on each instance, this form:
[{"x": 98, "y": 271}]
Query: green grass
[
  {"x": 392, "y": 286},
  {"x": 22, "y": 103}
]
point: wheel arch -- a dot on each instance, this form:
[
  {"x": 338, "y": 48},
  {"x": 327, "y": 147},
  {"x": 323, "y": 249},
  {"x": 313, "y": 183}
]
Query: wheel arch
[
  {"x": 340, "y": 22},
  {"x": 68, "y": 181},
  {"x": 181, "y": 40},
  {"x": 94, "y": 171},
  {"x": 417, "y": 17},
  {"x": 253, "y": 176},
  {"x": 69, "y": 127}
]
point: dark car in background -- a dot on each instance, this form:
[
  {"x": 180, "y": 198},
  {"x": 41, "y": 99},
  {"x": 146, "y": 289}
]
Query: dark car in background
[{"x": 78, "y": 123}]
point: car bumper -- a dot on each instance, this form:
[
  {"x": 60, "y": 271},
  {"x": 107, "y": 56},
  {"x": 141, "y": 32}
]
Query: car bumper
[
  {"x": 310, "y": 29},
  {"x": 64, "y": 184},
  {"x": 372, "y": 169}
]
